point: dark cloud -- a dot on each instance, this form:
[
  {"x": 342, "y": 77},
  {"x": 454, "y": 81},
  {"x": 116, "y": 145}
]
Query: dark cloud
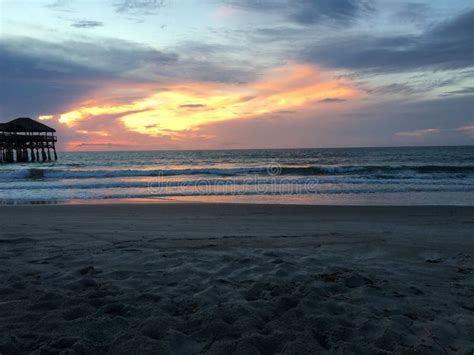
[
  {"x": 394, "y": 88},
  {"x": 193, "y": 106},
  {"x": 137, "y": 7},
  {"x": 33, "y": 83},
  {"x": 53, "y": 76},
  {"x": 33, "y": 58},
  {"x": 448, "y": 45},
  {"x": 87, "y": 24},
  {"x": 314, "y": 11},
  {"x": 101, "y": 145},
  {"x": 113, "y": 59},
  {"x": 331, "y": 100},
  {"x": 406, "y": 115},
  {"x": 309, "y": 12},
  {"x": 286, "y": 112}
]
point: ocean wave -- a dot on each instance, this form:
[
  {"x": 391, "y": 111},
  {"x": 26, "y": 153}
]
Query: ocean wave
[
  {"x": 106, "y": 194},
  {"x": 157, "y": 183},
  {"x": 380, "y": 171}
]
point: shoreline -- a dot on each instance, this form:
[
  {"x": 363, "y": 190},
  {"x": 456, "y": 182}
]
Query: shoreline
[
  {"x": 232, "y": 278},
  {"x": 226, "y": 200},
  {"x": 163, "y": 203}
]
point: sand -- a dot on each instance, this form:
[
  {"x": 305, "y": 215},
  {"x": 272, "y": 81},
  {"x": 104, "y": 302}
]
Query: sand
[{"x": 236, "y": 279}]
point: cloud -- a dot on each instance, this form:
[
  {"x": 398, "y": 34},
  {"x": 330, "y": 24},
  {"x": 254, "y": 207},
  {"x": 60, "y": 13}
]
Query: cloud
[
  {"x": 418, "y": 132},
  {"x": 175, "y": 113},
  {"x": 331, "y": 100},
  {"x": 375, "y": 124},
  {"x": 445, "y": 46},
  {"x": 223, "y": 11},
  {"x": 310, "y": 12},
  {"x": 139, "y": 7},
  {"x": 356, "y": 123},
  {"x": 58, "y": 75},
  {"x": 114, "y": 58},
  {"x": 192, "y": 106},
  {"x": 45, "y": 117},
  {"x": 394, "y": 88},
  {"x": 286, "y": 112},
  {"x": 467, "y": 129},
  {"x": 463, "y": 91},
  {"x": 411, "y": 12},
  {"x": 86, "y": 24},
  {"x": 100, "y": 145},
  {"x": 59, "y": 5},
  {"x": 74, "y": 58}
]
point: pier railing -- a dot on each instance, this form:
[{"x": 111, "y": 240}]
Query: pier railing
[{"x": 25, "y": 138}]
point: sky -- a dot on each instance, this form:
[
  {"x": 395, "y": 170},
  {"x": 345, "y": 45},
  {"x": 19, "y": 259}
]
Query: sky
[{"x": 236, "y": 74}]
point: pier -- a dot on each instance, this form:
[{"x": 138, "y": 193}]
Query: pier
[{"x": 25, "y": 140}]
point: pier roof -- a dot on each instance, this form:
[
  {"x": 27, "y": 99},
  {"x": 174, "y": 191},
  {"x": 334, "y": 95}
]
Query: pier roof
[{"x": 25, "y": 124}]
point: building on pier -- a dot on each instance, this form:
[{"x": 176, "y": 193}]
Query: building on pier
[{"x": 26, "y": 140}]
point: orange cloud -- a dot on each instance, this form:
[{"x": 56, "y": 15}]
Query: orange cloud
[
  {"x": 184, "y": 107},
  {"x": 45, "y": 117}
]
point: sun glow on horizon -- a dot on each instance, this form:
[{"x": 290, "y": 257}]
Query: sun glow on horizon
[{"x": 186, "y": 106}]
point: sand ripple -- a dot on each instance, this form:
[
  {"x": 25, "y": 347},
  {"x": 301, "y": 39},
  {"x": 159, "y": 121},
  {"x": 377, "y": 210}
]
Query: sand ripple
[{"x": 137, "y": 297}]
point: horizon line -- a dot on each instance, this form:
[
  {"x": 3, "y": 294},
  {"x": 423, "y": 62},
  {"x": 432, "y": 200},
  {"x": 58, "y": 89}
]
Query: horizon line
[{"x": 247, "y": 149}]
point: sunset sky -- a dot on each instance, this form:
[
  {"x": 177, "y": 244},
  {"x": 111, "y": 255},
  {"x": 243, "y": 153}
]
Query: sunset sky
[{"x": 227, "y": 74}]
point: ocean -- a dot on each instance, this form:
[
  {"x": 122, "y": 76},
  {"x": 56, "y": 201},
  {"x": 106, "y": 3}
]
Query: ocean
[{"x": 342, "y": 176}]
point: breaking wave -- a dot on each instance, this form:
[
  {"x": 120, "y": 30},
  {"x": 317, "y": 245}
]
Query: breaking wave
[{"x": 377, "y": 171}]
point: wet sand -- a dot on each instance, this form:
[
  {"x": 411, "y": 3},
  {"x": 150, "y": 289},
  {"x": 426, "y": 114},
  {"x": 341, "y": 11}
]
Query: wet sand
[{"x": 243, "y": 279}]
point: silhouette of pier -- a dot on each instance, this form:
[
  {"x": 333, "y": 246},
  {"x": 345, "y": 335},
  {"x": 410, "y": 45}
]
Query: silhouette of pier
[{"x": 25, "y": 140}]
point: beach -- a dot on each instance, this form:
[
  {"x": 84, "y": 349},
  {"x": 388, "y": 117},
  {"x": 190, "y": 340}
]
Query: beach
[{"x": 190, "y": 278}]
